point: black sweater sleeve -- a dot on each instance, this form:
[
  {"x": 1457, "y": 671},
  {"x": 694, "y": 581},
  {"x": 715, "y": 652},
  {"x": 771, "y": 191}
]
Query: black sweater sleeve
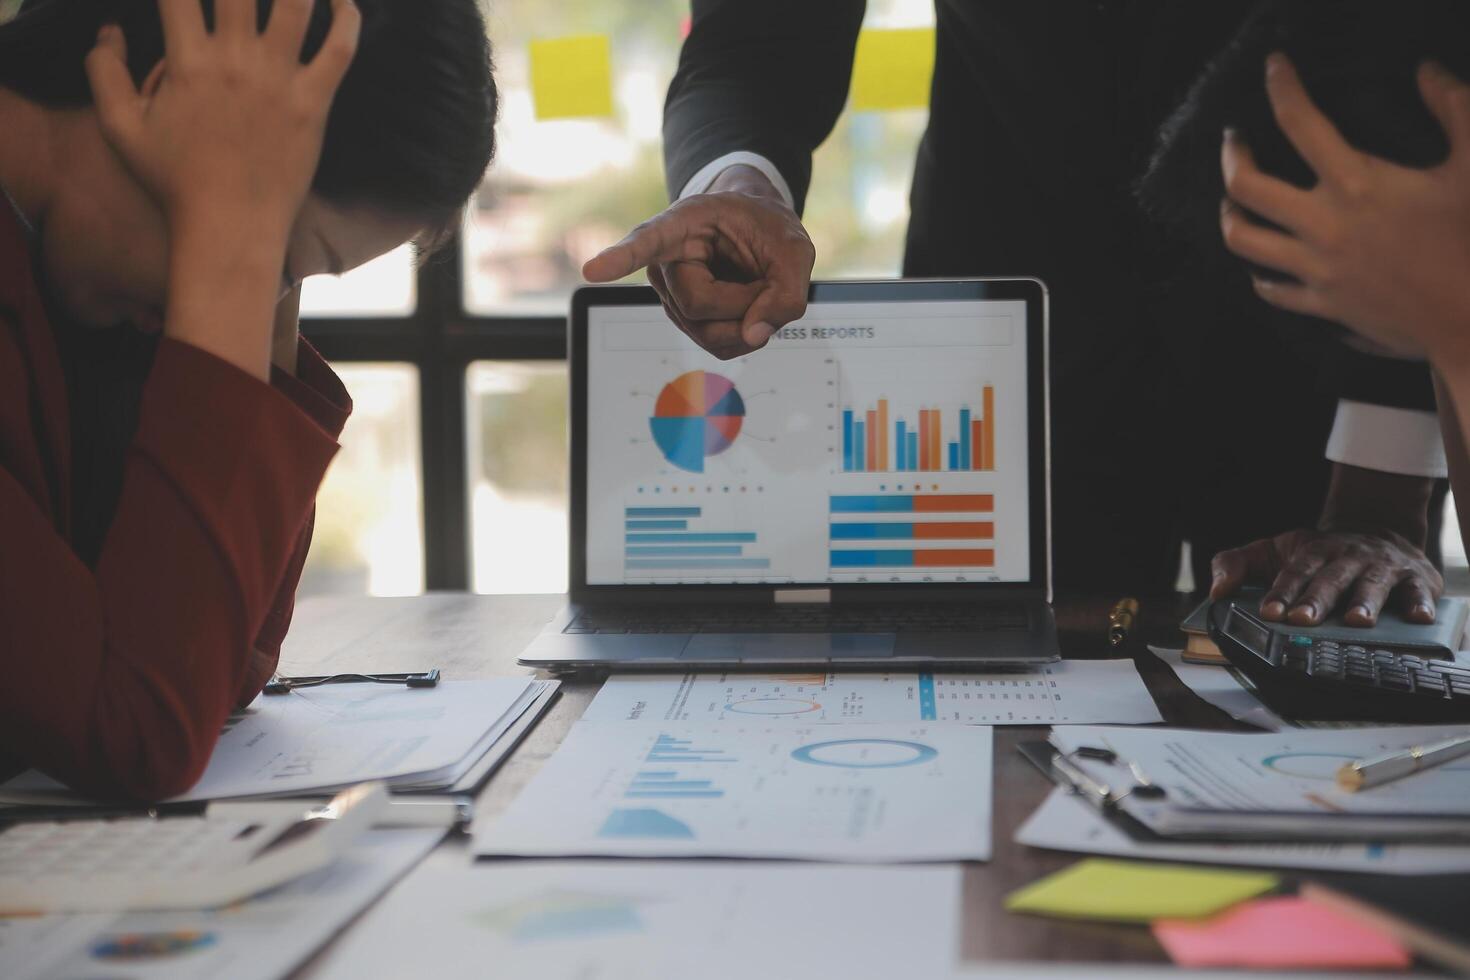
[{"x": 767, "y": 76}]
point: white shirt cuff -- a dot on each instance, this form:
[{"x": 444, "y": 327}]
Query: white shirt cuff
[
  {"x": 1390, "y": 440},
  {"x": 706, "y": 174}
]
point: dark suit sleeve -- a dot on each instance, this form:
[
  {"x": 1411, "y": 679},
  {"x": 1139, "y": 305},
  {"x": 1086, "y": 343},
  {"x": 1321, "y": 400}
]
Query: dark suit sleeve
[
  {"x": 1362, "y": 377},
  {"x": 766, "y": 76}
]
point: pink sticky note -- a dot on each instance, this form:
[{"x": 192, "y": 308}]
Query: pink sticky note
[{"x": 1279, "y": 932}]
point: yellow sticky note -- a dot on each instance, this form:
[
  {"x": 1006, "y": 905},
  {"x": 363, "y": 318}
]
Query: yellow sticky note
[
  {"x": 1125, "y": 891},
  {"x": 892, "y": 69},
  {"x": 572, "y": 77}
]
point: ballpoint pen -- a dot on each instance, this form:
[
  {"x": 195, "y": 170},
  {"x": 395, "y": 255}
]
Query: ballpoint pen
[
  {"x": 1367, "y": 773},
  {"x": 1120, "y": 620}
]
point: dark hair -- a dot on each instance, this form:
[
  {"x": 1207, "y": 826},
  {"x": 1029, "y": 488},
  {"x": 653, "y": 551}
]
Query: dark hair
[
  {"x": 1356, "y": 58},
  {"x": 412, "y": 127}
]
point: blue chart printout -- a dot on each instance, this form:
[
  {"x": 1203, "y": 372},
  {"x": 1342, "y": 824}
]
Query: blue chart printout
[{"x": 871, "y": 792}]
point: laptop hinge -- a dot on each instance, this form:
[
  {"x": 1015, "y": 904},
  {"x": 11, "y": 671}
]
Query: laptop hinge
[{"x": 803, "y": 595}]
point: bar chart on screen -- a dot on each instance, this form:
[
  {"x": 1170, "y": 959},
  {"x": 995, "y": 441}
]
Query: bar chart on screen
[
  {"x": 925, "y": 440},
  {"x": 908, "y": 531}
]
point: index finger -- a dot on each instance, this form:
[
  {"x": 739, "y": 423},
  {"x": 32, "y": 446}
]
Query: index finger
[
  {"x": 1304, "y": 125},
  {"x": 663, "y": 238}
]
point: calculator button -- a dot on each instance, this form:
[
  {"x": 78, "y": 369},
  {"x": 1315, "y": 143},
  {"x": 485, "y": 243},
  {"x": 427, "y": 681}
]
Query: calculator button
[{"x": 1301, "y": 641}]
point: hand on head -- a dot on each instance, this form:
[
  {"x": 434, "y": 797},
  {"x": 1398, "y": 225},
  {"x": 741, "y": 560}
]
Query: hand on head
[
  {"x": 730, "y": 266},
  {"x": 230, "y": 118},
  {"x": 1377, "y": 247}
]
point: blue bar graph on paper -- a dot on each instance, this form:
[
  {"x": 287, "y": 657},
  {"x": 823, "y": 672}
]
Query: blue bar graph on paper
[
  {"x": 928, "y": 711},
  {"x": 656, "y": 525},
  {"x": 964, "y": 439},
  {"x": 913, "y": 450},
  {"x": 954, "y": 455},
  {"x": 666, "y": 748},
  {"x": 694, "y": 551},
  {"x": 661, "y": 512},
  {"x": 901, "y": 446},
  {"x": 694, "y": 537},
  {"x": 859, "y": 445},
  {"x": 848, "y": 456}
]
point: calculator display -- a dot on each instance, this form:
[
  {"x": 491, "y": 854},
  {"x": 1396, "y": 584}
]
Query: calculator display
[{"x": 1247, "y": 632}]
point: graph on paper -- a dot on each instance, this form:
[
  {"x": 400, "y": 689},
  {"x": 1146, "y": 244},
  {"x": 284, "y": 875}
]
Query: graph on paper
[{"x": 874, "y": 792}]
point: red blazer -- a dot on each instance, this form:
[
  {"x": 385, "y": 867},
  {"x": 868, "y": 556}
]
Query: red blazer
[{"x": 116, "y": 679}]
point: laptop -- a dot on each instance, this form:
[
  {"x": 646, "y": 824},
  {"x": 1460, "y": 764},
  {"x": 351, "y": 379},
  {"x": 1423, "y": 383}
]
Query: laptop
[{"x": 869, "y": 491}]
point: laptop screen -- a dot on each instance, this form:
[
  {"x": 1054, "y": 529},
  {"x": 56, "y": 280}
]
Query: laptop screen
[{"x": 869, "y": 442}]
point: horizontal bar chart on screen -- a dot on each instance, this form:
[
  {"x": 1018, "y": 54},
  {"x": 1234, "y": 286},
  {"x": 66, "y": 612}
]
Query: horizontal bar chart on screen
[
  {"x": 674, "y": 542},
  {"x": 913, "y": 503},
  {"x": 895, "y": 530},
  {"x": 870, "y": 444},
  {"x": 914, "y": 558}
]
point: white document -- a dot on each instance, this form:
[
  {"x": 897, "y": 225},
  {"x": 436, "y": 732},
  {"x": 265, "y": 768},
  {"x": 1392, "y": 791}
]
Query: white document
[
  {"x": 1217, "y": 685},
  {"x": 321, "y": 738},
  {"x": 652, "y": 920},
  {"x": 268, "y": 936},
  {"x": 877, "y": 792},
  {"x": 1066, "y": 693},
  {"x": 1067, "y": 823},
  {"x": 1207, "y": 774}
]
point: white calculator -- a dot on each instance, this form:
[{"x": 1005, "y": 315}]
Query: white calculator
[{"x": 230, "y": 852}]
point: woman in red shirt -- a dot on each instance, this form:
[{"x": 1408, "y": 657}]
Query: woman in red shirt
[{"x": 171, "y": 171}]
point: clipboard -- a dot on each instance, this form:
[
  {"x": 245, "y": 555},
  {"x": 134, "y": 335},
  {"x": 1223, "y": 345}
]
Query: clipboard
[{"x": 1056, "y": 767}]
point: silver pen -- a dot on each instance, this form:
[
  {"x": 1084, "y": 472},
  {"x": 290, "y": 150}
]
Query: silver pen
[{"x": 1367, "y": 773}]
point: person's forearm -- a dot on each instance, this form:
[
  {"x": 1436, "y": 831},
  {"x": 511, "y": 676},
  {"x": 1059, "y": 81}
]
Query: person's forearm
[
  {"x": 1360, "y": 499},
  {"x": 223, "y": 277}
]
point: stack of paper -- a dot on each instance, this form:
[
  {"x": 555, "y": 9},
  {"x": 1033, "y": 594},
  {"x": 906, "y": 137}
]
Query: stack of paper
[
  {"x": 318, "y": 739},
  {"x": 1273, "y": 786}
]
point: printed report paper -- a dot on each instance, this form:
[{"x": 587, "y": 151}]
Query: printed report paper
[
  {"x": 869, "y": 793},
  {"x": 266, "y": 936},
  {"x": 1241, "y": 785},
  {"x": 1065, "y": 823},
  {"x": 636, "y": 920},
  {"x": 1069, "y": 692},
  {"x": 318, "y": 739}
]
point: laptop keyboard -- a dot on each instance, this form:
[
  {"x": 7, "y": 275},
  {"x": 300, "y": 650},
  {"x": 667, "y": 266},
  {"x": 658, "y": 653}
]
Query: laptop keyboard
[{"x": 906, "y": 618}]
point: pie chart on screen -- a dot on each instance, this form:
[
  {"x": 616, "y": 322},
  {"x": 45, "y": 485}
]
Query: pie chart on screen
[{"x": 697, "y": 415}]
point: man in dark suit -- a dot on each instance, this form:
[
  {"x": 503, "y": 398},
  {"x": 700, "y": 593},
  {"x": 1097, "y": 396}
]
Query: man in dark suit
[{"x": 1179, "y": 413}]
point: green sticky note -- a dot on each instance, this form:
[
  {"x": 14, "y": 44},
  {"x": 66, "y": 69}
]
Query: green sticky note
[
  {"x": 1126, "y": 891},
  {"x": 891, "y": 69},
  {"x": 571, "y": 77}
]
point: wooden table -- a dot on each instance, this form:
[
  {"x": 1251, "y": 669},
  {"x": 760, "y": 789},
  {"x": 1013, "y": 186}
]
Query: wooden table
[{"x": 478, "y": 636}]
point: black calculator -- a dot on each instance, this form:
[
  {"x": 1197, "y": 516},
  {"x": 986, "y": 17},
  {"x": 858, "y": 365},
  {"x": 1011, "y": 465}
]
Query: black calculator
[{"x": 1316, "y": 679}]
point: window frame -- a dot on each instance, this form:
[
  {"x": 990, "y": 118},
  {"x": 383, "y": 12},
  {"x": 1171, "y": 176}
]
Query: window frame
[{"x": 440, "y": 338}]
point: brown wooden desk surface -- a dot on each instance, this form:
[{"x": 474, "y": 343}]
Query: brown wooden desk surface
[{"x": 479, "y": 636}]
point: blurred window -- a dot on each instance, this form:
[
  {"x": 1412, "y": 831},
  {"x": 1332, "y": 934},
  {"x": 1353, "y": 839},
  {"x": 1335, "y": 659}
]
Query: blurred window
[
  {"x": 369, "y": 521},
  {"x": 561, "y": 190},
  {"x": 517, "y": 440}
]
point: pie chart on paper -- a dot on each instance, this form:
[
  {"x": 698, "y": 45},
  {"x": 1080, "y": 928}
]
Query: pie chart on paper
[{"x": 697, "y": 415}]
